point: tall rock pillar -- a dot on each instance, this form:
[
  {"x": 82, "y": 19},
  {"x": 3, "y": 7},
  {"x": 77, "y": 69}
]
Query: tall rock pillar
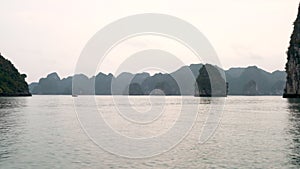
[{"x": 292, "y": 89}]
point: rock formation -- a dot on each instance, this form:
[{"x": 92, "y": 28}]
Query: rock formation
[
  {"x": 210, "y": 82},
  {"x": 267, "y": 83},
  {"x": 135, "y": 89},
  {"x": 292, "y": 88},
  {"x": 250, "y": 88},
  {"x": 12, "y": 83}
]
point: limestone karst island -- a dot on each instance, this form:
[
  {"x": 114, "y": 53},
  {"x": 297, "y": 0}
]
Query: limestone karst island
[
  {"x": 292, "y": 89},
  {"x": 12, "y": 83},
  {"x": 158, "y": 84}
]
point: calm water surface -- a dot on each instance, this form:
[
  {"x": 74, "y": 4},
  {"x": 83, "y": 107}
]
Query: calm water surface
[{"x": 255, "y": 132}]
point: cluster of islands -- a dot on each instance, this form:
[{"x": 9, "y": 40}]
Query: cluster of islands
[
  {"x": 241, "y": 81},
  {"x": 234, "y": 81}
]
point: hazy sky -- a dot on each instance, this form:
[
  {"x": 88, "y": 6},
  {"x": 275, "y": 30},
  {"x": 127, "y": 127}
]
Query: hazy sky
[{"x": 43, "y": 36}]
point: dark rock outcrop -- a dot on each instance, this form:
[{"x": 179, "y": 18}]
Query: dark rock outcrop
[
  {"x": 292, "y": 89},
  {"x": 210, "y": 82},
  {"x": 12, "y": 83}
]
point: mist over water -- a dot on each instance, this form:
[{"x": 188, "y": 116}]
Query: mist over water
[{"x": 255, "y": 132}]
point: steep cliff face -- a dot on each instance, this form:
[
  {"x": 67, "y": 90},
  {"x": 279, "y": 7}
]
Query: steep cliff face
[
  {"x": 210, "y": 82},
  {"x": 12, "y": 83},
  {"x": 292, "y": 88}
]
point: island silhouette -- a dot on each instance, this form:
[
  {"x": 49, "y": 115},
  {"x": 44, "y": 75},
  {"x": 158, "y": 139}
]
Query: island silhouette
[{"x": 241, "y": 81}]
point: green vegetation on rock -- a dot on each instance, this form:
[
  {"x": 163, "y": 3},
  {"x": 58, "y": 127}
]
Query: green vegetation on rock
[{"x": 12, "y": 83}]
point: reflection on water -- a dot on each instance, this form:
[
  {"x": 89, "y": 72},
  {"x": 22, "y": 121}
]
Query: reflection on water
[
  {"x": 11, "y": 124},
  {"x": 294, "y": 130}
]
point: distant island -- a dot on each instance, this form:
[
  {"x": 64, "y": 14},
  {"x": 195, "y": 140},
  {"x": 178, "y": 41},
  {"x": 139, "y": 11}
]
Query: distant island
[
  {"x": 241, "y": 81},
  {"x": 12, "y": 83}
]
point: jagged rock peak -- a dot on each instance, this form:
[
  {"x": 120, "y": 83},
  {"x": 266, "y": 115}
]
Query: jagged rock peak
[{"x": 54, "y": 76}]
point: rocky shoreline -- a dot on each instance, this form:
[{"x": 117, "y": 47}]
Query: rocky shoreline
[{"x": 16, "y": 95}]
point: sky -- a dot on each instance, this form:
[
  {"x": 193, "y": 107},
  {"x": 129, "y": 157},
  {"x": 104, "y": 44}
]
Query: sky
[{"x": 45, "y": 36}]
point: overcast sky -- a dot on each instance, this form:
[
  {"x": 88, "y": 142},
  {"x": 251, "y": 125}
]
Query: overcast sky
[{"x": 43, "y": 36}]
